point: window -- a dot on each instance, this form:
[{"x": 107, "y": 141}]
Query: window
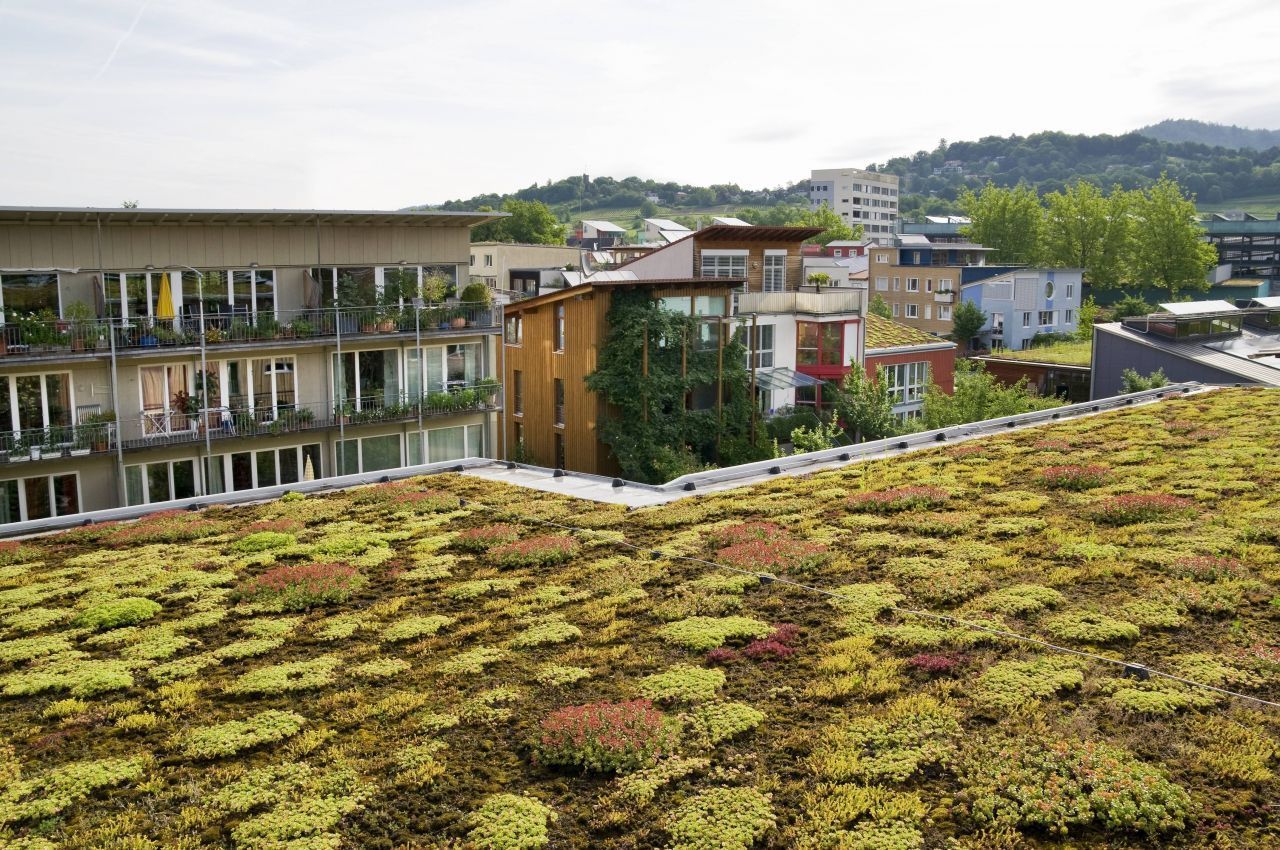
[
  {"x": 928, "y": 311},
  {"x": 559, "y": 449},
  {"x": 263, "y": 386},
  {"x": 913, "y": 311},
  {"x": 1046, "y": 317},
  {"x": 913, "y": 284},
  {"x": 35, "y": 402},
  {"x": 928, "y": 284},
  {"x": 897, "y": 309},
  {"x": 1071, "y": 291},
  {"x": 368, "y": 454},
  {"x": 944, "y": 284},
  {"x": 39, "y": 498},
  {"x": 488, "y": 260},
  {"x": 915, "y": 258},
  {"x": 997, "y": 324},
  {"x": 882, "y": 284},
  {"x": 146, "y": 483},
  {"x": 1048, "y": 289},
  {"x": 1069, "y": 316},
  {"x": 448, "y": 367},
  {"x": 366, "y": 380},
  {"x": 264, "y": 468},
  {"x": 452, "y": 443},
  {"x": 517, "y": 391},
  {"x": 560, "y": 327},
  {"x": 761, "y": 342},
  {"x": 559, "y": 393},
  {"x": 907, "y": 382},
  {"x": 1026, "y": 320},
  {"x": 166, "y": 391},
  {"x": 30, "y": 292},
  {"x": 724, "y": 264},
  {"x": 473, "y": 261},
  {"x": 775, "y": 270},
  {"x": 514, "y": 334},
  {"x": 897, "y": 284},
  {"x": 882, "y": 258},
  {"x": 944, "y": 312},
  {"x": 839, "y": 252},
  {"x": 820, "y": 343}
]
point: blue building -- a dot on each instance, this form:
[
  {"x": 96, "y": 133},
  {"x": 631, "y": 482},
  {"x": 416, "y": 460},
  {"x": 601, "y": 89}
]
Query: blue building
[{"x": 1024, "y": 302}]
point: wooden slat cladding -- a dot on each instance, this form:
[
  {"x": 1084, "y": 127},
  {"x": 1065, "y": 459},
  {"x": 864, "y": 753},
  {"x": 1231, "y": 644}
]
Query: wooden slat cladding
[
  {"x": 755, "y": 260},
  {"x": 227, "y": 246},
  {"x": 586, "y": 329}
]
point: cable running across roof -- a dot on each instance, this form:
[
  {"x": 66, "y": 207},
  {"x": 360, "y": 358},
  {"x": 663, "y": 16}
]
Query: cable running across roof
[{"x": 1129, "y": 667}]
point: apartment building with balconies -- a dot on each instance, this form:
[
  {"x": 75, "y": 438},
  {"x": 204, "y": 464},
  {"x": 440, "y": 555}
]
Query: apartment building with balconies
[
  {"x": 147, "y": 355},
  {"x": 868, "y": 198},
  {"x": 920, "y": 279}
]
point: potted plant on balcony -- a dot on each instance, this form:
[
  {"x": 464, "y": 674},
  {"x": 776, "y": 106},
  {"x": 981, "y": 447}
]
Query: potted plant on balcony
[
  {"x": 96, "y": 428},
  {"x": 342, "y": 412},
  {"x": 474, "y": 298},
  {"x": 302, "y": 329},
  {"x": 487, "y": 390},
  {"x": 35, "y": 446},
  {"x": 818, "y": 280},
  {"x": 18, "y": 452},
  {"x": 463, "y": 399},
  {"x": 79, "y": 316},
  {"x": 439, "y": 401},
  {"x": 267, "y": 327},
  {"x": 212, "y": 335}
]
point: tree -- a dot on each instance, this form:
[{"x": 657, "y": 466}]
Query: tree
[
  {"x": 823, "y": 435},
  {"x": 966, "y": 320},
  {"x": 864, "y": 406},
  {"x": 1088, "y": 230},
  {"x": 129, "y": 205},
  {"x": 1169, "y": 251},
  {"x": 832, "y": 227},
  {"x": 1132, "y": 382},
  {"x": 1089, "y": 311},
  {"x": 648, "y": 209},
  {"x": 651, "y": 432},
  {"x": 879, "y": 307},
  {"x": 978, "y": 396},
  {"x": 529, "y": 222},
  {"x": 1131, "y": 305},
  {"x": 1010, "y": 221}
]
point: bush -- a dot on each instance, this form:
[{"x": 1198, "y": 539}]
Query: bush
[
  {"x": 510, "y": 822},
  {"x": 606, "y": 737},
  {"x": 721, "y": 819},
  {"x": 542, "y": 551},
  {"x": 299, "y": 587},
  {"x": 898, "y": 499},
  {"x": 1141, "y": 507},
  {"x": 1058, "y": 785},
  {"x": 224, "y": 739},
  {"x": 1075, "y": 476},
  {"x": 118, "y": 612}
]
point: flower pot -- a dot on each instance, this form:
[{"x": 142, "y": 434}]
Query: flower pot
[
  {"x": 80, "y": 452},
  {"x": 387, "y": 326},
  {"x": 36, "y": 452},
  {"x": 101, "y": 445},
  {"x": 458, "y": 322},
  {"x": 368, "y": 328}
]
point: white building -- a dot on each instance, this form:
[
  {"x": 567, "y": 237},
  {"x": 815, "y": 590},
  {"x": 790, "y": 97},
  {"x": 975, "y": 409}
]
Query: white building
[
  {"x": 858, "y": 197},
  {"x": 664, "y": 230}
]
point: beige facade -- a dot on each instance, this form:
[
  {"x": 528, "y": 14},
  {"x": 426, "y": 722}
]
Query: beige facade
[
  {"x": 313, "y": 360},
  {"x": 921, "y": 297},
  {"x": 492, "y": 262},
  {"x": 859, "y": 197}
]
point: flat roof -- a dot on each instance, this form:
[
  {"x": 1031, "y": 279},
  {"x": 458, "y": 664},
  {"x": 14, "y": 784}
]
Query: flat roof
[
  {"x": 180, "y": 216},
  {"x": 1197, "y": 308}
]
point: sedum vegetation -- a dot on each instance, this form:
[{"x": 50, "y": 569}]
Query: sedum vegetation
[{"x": 395, "y": 668}]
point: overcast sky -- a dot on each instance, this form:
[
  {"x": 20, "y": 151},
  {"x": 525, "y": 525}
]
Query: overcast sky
[{"x": 309, "y": 103}]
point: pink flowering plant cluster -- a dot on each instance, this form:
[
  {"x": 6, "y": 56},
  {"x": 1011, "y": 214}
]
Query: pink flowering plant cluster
[
  {"x": 406, "y": 497},
  {"x": 540, "y": 551},
  {"x": 935, "y": 663},
  {"x": 1208, "y": 568},
  {"x": 779, "y": 644},
  {"x": 485, "y": 537},
  {"x": 1141, "y": 507},
  {"x": 1075, "y": 476},
  {"x": 766, "y": 547},
  {"x": 1052, "y": 445},
  {"x": 299, "y": 587},
  {"x": 162, "y": 527},
  {"x": 898, "y": 499},
  {"x": 606, "y": 737}
]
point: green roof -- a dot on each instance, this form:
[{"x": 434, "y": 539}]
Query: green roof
[
  {"x": 404, "y": 663},
  {"x": 886, "y": 333},
  {"x": 1060, "y": 353}
]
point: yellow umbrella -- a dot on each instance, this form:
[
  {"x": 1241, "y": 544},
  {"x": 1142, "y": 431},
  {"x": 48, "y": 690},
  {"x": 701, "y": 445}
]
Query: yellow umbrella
[{"x": 164, "y": 301}]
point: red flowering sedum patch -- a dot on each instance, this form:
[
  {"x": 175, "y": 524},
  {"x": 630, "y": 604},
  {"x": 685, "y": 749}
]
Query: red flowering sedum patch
[
  {"x": 1208, "y": 568},
  {"x": 301, "y": 586},
  {"x": 407, "y": 497},
  {"x": 609, "y": 737},
  {"x": 898, "y": 499},
  {"x": 1075, "y": 476},
  {"x": 930, "y": 662},
  {"x": 1141, "y": 507},
  {"x": 778, "y": 645},
  {"x": 1052, "y": 445},
  {"x": 540, "y": 551},
  {"x": 766, "y": 547},
  {"x": 486, "y": 537}
]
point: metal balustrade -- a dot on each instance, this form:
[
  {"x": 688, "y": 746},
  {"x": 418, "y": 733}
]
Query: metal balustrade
[
  {"x": 28, "y": 336},
  {"x": 166, "y": 427}
]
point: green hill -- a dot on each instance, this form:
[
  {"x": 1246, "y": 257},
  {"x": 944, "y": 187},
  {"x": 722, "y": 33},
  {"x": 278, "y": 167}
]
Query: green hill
[{"x": 1206, "y": 133}]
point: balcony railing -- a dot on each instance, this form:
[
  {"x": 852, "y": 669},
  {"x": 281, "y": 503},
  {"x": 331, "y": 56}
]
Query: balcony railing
[
  {"x": 823, "y": 301},
  {"x": 172, "y": 427},
  {"x": 28, "y": 336},
  {"x": 944, "y": 297}
]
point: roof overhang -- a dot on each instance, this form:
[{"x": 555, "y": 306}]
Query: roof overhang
[
  {"x": 592, "y": 285},
  {"x": 115, "y": 216},
  {"x": 756, "y": 233}
]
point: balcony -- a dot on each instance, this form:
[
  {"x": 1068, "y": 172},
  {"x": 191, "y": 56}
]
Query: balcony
[
  {"x": 823, "y": 301},
  {"x": 944, "y": 297},
  {"x": 155, "y": 428},
  {"x": 28, "y": 337}
]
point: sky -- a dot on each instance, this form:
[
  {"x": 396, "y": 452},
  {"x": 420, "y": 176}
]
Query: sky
[{"x": 381, "y": 104}]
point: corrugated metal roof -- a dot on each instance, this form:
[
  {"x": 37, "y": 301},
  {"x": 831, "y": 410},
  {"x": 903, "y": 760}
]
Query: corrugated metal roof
[
  {"x": 114, "y": 216},
  {"x": 606, "y": 226},
  {"x": 674, "y": 235},
  {"x": 730, "y": 221},
  {"x": 665, "y": 224},
  {"x": 1236, "y": 363}
]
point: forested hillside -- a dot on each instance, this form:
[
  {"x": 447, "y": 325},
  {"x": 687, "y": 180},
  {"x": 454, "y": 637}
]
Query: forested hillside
[
  {"x": 933, "y": 180},
  {"x": 1205, "y": 133}
]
